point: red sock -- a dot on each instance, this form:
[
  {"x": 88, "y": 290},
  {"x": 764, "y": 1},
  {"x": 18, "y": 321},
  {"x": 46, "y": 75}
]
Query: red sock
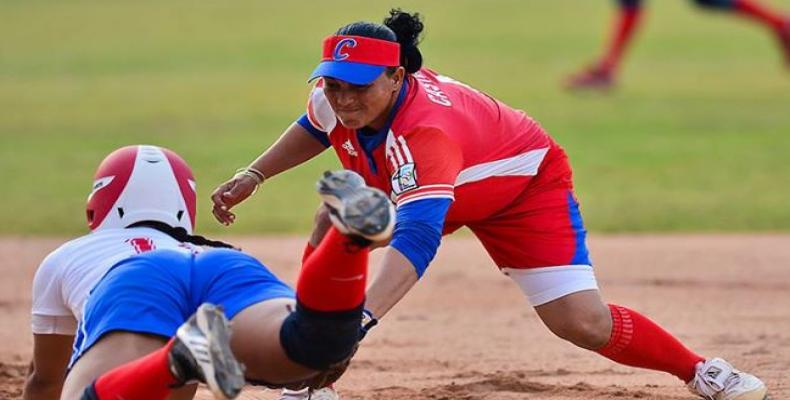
[
  {"x": 638, "y": 342},
  {"x": 623, "y": 32},
  {"x": 333, "y": 278},
  {"x": 147, "y": 378},
  {"x": 751, "y": 8},
  {"x": 308, "y": 250}
]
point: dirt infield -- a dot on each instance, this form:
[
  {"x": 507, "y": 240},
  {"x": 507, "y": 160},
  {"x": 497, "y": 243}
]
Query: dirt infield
[{"x": 466, "y": 332}]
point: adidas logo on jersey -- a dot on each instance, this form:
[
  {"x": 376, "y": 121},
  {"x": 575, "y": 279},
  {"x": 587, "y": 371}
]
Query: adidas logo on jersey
[{"x": 349, "y": 147}]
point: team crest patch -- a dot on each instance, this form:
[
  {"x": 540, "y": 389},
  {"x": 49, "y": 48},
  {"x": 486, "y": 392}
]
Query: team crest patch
[{"x": 404, "y": 179}]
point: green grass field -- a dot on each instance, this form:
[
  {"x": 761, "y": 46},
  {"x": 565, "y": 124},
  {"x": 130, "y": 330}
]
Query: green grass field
[{"x": 697, "y": 137}]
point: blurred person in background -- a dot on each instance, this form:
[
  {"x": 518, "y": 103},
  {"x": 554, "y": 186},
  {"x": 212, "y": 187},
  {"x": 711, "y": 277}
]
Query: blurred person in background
[
  {"x": 452, "y": 156},
  {"x": 602, "y": 74}
]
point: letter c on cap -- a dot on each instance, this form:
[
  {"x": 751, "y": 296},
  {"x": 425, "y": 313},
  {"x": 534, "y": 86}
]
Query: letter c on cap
[{"x": 338, "y": 54}]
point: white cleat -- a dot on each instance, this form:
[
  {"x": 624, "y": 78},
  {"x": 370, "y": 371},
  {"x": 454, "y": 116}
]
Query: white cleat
[
  {"x": 716, "y": 379},
  {"x": 201, "y": 351},
  {"x": 356, "y": 209},
  {"x": 327, "y": 393}
]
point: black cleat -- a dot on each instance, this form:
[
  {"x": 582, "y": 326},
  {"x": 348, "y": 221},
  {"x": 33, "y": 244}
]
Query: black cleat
[{"x": 356, "y": 209}]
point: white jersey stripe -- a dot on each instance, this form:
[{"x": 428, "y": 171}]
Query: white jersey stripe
[
  {"x": 405, "y": 148},
  {"x": 313, "y": 120},
  {"x": 436, "y": 186},
  {"x": 426, "y": 196},
  {"x": 396, "y": 151},
  {"x": 391, "y": 157},
  {"x": 425, "y": 193},
  {"x": 525, "y": 164},
  {"x": 392, "y": 161}
]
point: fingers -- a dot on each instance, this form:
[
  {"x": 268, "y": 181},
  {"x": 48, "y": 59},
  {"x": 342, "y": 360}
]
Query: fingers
[
  {"x": 229, "y": 194},
  {"x": 221, "y": 209},
  {"x": 222, "y": 215},
  {"x": 217, "y": 196}
]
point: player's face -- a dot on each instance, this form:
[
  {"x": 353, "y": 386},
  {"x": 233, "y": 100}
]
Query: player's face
[{"x": 359, "y": 106}]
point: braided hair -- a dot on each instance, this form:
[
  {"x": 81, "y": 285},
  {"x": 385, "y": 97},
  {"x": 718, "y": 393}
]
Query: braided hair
[{"x": 181, "y": 234}]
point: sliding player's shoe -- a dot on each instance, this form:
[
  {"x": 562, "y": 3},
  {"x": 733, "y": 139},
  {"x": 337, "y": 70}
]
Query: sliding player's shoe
[
  {"x": 201, "y": 352},
  {"x": 716, "y": 379}
]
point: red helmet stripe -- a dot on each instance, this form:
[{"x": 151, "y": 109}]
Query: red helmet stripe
[{"x": 116, "y": 166}]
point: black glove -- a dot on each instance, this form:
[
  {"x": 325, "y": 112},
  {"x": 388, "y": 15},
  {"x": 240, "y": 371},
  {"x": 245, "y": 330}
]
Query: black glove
[{"x": 368, "y": 322}]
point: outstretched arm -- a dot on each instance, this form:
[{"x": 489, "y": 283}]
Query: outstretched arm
[
  {"x": 296, "y": 146},
  {"x": 416, "y": 238},
  {"x": 396, "y": 276},
  {"x": 424, "y": 191},
  {"x": 48, "y": 369}
]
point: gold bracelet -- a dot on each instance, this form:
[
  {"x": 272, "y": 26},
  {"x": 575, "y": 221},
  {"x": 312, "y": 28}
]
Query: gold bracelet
[
  {"x": 255, "y": 177},
  {"x": 257, "y": 172}
]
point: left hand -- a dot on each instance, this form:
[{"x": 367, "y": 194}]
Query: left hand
[{"x": 230, "y": 193}]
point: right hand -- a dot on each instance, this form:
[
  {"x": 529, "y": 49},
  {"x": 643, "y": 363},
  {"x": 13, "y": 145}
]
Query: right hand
[{"x": 230, "y": 193}]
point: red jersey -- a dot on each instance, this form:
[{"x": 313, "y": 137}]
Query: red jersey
[{"x": 446, "y": 140}]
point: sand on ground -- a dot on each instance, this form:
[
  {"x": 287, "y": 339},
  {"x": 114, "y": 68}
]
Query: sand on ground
[{"x": 466, "y": 331}]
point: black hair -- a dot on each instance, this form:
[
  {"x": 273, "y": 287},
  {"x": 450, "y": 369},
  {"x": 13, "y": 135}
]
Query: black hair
[
  {"x": 181, "y": 234},
  {"x": 401, "y": 27}
]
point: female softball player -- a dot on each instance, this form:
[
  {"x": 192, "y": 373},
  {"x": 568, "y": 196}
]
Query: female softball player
[
  {"x": 452, "y": 156},
  {"x": 136, "y": 279}
]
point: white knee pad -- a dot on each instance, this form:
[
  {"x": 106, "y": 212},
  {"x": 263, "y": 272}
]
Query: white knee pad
[{"x": 542, "y": 285}]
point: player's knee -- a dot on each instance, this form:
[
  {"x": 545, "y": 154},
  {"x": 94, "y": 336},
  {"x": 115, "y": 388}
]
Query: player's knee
[
  {"x": 591, "y": 331},
  {"x": 317, "y": 339},
  {"x": 715, "y": 4}
]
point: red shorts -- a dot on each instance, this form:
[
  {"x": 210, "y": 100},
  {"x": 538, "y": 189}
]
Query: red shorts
[{"x": 542, "y": 227}]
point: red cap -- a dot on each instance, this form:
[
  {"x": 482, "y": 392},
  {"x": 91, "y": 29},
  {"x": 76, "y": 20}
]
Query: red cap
[{"x": 356, "y": 59}]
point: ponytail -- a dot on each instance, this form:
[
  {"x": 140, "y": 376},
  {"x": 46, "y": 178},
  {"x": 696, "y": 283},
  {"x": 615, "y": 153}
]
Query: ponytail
[
  {"x": 400, "y": 27},
  {"x": 407, "y": 28}
]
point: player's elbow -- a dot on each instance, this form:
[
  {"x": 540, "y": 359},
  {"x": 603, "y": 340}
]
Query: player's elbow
[
  {"x": 42, "y": 387},
  {"x": 418, "y": 242}
]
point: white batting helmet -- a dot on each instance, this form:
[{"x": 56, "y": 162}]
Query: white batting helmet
[{"x": 142, "y": 183}]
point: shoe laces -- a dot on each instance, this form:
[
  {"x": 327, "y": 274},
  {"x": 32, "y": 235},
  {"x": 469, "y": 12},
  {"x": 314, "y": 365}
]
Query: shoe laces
[{"x": 713, "y": 378}]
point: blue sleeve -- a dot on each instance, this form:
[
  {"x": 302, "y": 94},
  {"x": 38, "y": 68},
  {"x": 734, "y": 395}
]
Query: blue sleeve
[
  {"x": 318, "y": 135},
  {"x": 418, "y": 230}
]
